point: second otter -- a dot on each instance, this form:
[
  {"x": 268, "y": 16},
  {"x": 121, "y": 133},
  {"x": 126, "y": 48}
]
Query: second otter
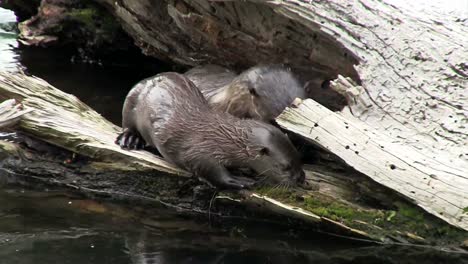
[
  {"x": 168, "y": 112},
  {"x": 261, "y": 92}
]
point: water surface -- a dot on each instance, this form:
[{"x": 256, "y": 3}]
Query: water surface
[{"x": 51, "y": 227}]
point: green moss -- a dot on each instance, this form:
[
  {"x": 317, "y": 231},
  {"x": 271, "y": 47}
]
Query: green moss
[
  {"x": 87, "y": 16},
  {"x": 406, "y": 220},
  {"x": 95, "y": 20},
  {"x": 410, "y": 212},
  {"x": 280, "y": 194},
  {"x": 465, "y": 210},
  {"x": 339, "y": 211}
]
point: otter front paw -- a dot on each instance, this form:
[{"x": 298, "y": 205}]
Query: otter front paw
[
  {"x": 233, "y": 183},
  {"x": 130, "y": 140}
]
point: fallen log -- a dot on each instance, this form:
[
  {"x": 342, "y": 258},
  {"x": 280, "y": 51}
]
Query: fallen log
[
  {"x": 409, "y": 90},
  {"x": 82, "y": 157}
]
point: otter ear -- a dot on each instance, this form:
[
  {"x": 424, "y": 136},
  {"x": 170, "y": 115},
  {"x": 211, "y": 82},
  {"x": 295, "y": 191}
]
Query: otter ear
[{"x": 264, "y": 151}]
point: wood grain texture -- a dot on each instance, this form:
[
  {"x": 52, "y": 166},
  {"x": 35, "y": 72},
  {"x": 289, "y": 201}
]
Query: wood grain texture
[{"x": 439, "y": 188}]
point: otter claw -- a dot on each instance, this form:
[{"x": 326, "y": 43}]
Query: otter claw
[
  {"x": 136, "y": 143},
  {"x": 121, "y": 140},
  {"x": 234, "y": 184},
  {"x": 117, "y": 139},
  {"x": 238, "y": 184},
  {"x": 129, "y": 140}
]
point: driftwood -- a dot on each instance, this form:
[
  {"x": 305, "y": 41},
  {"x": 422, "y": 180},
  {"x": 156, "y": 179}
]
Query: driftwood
[{"x": 87, "y": 160}]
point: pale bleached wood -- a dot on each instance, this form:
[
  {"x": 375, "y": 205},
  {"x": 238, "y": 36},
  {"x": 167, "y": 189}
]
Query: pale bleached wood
[
  {"x": 63, "y": 120},
  {"x": 10, "y": 113},
  {"x": 410, "y": 65},
  {"x": 439, "y": 188}
]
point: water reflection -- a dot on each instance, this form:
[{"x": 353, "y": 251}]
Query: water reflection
[
  {"x": 56, "y": 228},
  {"x": 102, "y": 87},
  {"x": 8, "y": 43}
]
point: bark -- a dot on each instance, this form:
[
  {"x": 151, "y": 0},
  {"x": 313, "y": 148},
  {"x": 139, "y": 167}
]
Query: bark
[{"x": 80, "y": 155}]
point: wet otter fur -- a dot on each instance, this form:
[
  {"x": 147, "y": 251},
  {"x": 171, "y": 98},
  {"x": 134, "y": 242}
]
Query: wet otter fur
[
  {"x": 261, "y": 92},
  {"x": 170, "y": 113}
]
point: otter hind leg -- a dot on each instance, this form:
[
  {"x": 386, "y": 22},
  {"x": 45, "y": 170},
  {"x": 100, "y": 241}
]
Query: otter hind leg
[{"x": 130, "y": 139}]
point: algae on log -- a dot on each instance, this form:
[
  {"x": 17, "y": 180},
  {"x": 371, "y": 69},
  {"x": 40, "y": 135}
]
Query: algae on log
[{"x": 82, "y": 156}]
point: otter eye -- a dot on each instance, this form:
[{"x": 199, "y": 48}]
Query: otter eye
[
  {"x": 252, "y": 91},
  {"x": 325, "y": 84},
  {"x": 264, "y": 151}
]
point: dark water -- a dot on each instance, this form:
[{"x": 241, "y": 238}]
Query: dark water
[
  {"x": 102, "y": 88},
  {"x": 54, "y": 228}
]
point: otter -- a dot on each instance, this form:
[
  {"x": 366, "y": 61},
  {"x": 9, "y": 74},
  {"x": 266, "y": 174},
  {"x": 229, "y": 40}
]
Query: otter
[
  {"x": 169, "y": 112},
  {"x": 261, "y": 92}
]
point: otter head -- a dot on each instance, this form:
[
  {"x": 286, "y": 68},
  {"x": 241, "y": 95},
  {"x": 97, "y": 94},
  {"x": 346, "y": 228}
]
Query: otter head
[
  {"x": 276, "y": 160},
  {"x": 272, "y": 89}
]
